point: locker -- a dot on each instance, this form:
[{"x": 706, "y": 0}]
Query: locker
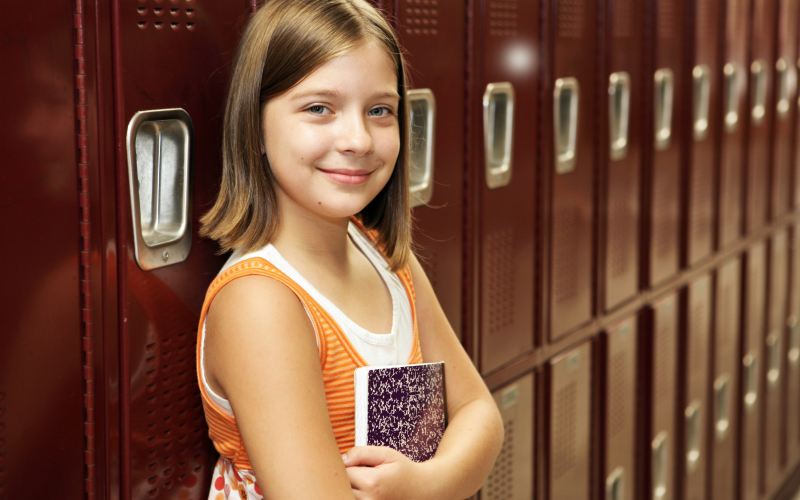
[
  {"x": 513, "y": 472},
  {"x": 792, "y": 342},
  {"x": 569, "y": 146},
  {"x": 620, "y": 152},
  {"x": 504, "y": 125},
  {"x": 660, "y": 363},
  {"x": 774, "y": 404},
  {"x": 706, "y": 94},
  {"x": 664, "y": 93},
  {"x": 784, "y": 90},
  {"x": 437, "y": 77},
  {"x": 734, "y": 78},
  {"x": 724, "y": 407},
  {"x": 570, "y": 424},
  {"x": 760, "y": 114},
  {"x": 751, "y": 394},
  {"x": 696, "y": 408},
  {"x": 620, "y": 482}
]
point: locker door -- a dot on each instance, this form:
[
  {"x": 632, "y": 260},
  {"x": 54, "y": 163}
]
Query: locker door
[
  {"x": 696, "y": 409},
  {"x": 435, "y": 50},
  {"x": 774, "y": 404},
  {"x": 665, "y": 93},
  {"x": 165, "y": 452},
  {"x": 760, "y": 113},
  {"x": 570, "y": 424},
  {"x": 504, "y": 121},
  {"x": 512, "y": 475},
  {"x": 706, "y": 99},
  {"x": 620, "y": 150},
  {"x": 734, "y": 78},
  {"x": 620, "y": 412},
  {"x": 784, "y": 89},
  {"x": 569, "y": 145},
  {"x": 792, "y": 341},
  {"x": 724, "y": 406},
  {"x": 754, "y": 323}
]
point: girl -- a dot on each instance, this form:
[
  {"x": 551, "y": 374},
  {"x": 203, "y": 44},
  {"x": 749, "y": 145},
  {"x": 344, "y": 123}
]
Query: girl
[{"x": 314, "y": 203}]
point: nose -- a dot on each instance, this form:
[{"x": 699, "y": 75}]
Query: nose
[{"x": 354, "y": 138}]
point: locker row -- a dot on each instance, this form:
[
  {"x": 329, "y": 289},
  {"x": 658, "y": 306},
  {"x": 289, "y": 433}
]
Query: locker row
[{"x": 695, "y": 396}]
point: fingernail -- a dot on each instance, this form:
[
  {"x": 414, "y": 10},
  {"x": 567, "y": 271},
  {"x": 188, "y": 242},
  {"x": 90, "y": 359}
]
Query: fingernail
[{"x": 344, "y": 457}]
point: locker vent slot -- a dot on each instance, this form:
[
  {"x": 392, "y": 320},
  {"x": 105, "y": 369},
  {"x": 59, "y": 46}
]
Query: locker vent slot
[
  {"x": 565, "y": 254},
  {"x": 422, "y": 17},
  {"x": 2, "y": 451},
  {"x": 705, "y": 19},
  {"x": 500, "y": 279},
  {"x": 500, "y": 483},
  {"x": 175, "y": 18},
  {"x": 666, "y": 18},
  {"x": 621, "y": 222},
  {"x": 698, "y": 332},
  {"x": 726, "y": 330},
  {"x": 735, "y": 19},
  {"x": 618, "y": 399},
  {"x": 664, "y": 214},
  {"x": 623, "y": 18},
  {"x": 503, "y": 17},
  {"x": 565, "y": 424},
  {"x": 570, "y": 18},
  {"x": 663, "y": 360}
]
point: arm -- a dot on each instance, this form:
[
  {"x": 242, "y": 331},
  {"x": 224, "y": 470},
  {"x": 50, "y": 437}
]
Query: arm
[
  {"x": 474, "y": 433},
  {"x": 261, "y": 355}
]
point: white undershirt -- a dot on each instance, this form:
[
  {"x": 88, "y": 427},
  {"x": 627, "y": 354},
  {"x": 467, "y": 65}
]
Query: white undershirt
[{"x": 385, "y": 349}]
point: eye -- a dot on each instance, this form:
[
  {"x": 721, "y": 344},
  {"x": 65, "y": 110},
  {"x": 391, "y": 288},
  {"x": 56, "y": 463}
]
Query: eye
[
  {"x": 380, "y": 112},
  {"x": 318, "y": 109}
]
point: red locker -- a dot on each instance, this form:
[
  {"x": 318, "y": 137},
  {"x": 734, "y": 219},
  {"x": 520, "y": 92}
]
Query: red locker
[
  {"x": 620, "y": 412},
  {"x": 792, "y": 341},
  {"x": 760, "y": 113},
  {"x": 774, "y": 404},
  {"x": 570, "y": 424},
  {"x": 664, "y": 72},
  {"x": 753, "y": 325},
  {"x": 696, "y": 408},
  {"x": 735, "y": 77},
  {"x": 724, "y": 407},
  {"x": 504, "y": 130},
  {"x": 433, "y": 36},
  {"x": 620, "y": 150},
  {"x": 569, "y": 148},
  {"x": 706, "y": 94},
  {"x": 784, "y": 88}
]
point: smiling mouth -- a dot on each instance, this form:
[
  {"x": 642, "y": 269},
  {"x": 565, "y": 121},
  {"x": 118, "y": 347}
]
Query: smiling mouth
[{"x": 346, "y": 176}]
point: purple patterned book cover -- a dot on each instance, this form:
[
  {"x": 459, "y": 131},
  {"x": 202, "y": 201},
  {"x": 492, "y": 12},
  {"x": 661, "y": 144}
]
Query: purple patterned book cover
[{"x": 402, "y": 407}]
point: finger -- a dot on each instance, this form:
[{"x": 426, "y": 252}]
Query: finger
[
  {"x": 361, "y": 478},
  {"x": 369, "y": 455}
]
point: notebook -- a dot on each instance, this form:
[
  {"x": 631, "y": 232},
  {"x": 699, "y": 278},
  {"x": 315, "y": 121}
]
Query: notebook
[{"x": 402, "y": 406}]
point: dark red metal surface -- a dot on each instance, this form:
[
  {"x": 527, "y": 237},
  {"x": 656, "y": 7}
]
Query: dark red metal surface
[{"x": 793, "y": 353}]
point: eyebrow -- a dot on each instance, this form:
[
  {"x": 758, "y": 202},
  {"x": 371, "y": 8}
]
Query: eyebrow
[{"x": 336, "y": 94}]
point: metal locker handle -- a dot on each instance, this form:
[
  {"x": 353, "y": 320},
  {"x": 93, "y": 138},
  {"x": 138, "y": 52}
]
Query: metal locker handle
[
  {"x": 660, "y": 461},
  {"x": 664, "y": 90},
  {"x": 773, "y": 359},
  {"x": 159, "y": 150},
  {"x": 615, "y": 485},
  {"x": 794, "y": 340},
  {"x": 692, "y": 414},
  {"x": 701, "y": 78},
  {"x": 784, "y": 75},
  {"x": 565, "y": 118},
  {"x": 758, "y": 72},
  {"x": 422, "y": 114},
  {"x": 498, "y": 132},
  {"x": 722, "y": 400},
  {"x": 619, "y": 92},
  {"x": 750, "y": 363},
  {"x": 732, "y": 89}
]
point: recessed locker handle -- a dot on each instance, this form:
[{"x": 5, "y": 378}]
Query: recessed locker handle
[
  {"x": 758, "y": 72},
  {"x": 660, "y": 462},
  {"x": 615, "y": 485},
  {"x": 785, "y": 76},
  {"x": 565, "y": 123},
  {"x": 701, "y": 83},
  {"x": 722, "y": 401},
  {"x": 750, "y": 362},
  {"x": 794, "y": 340},
  {"x": 498, "y": 132},
  {"x": 159, "y": 150},
  {"x": 773, "y": 359},
  {"x": 422, "y": 114},
  {"x": 664, "y": 89},
  {"x": 619, "y": 104},
  {"x": 692, "y": 415},
  {"x": 732, "y": 90}
]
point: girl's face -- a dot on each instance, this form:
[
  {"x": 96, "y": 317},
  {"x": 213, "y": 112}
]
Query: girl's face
[{"x": 332, "y": 141}]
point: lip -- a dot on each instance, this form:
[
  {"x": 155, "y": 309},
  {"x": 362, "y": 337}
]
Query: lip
[{"x": 347, "y": 176}]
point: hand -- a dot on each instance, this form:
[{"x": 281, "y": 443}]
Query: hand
[{"x": 382, "y": 473}]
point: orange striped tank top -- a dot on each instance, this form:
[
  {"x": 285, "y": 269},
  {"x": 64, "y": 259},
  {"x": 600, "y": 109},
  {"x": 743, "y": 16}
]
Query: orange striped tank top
[{"x": 337, "y": 356}]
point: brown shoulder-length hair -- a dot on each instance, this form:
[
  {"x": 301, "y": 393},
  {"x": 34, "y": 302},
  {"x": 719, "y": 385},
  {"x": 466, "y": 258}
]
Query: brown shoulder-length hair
[{"x": 285, "y": 41}]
